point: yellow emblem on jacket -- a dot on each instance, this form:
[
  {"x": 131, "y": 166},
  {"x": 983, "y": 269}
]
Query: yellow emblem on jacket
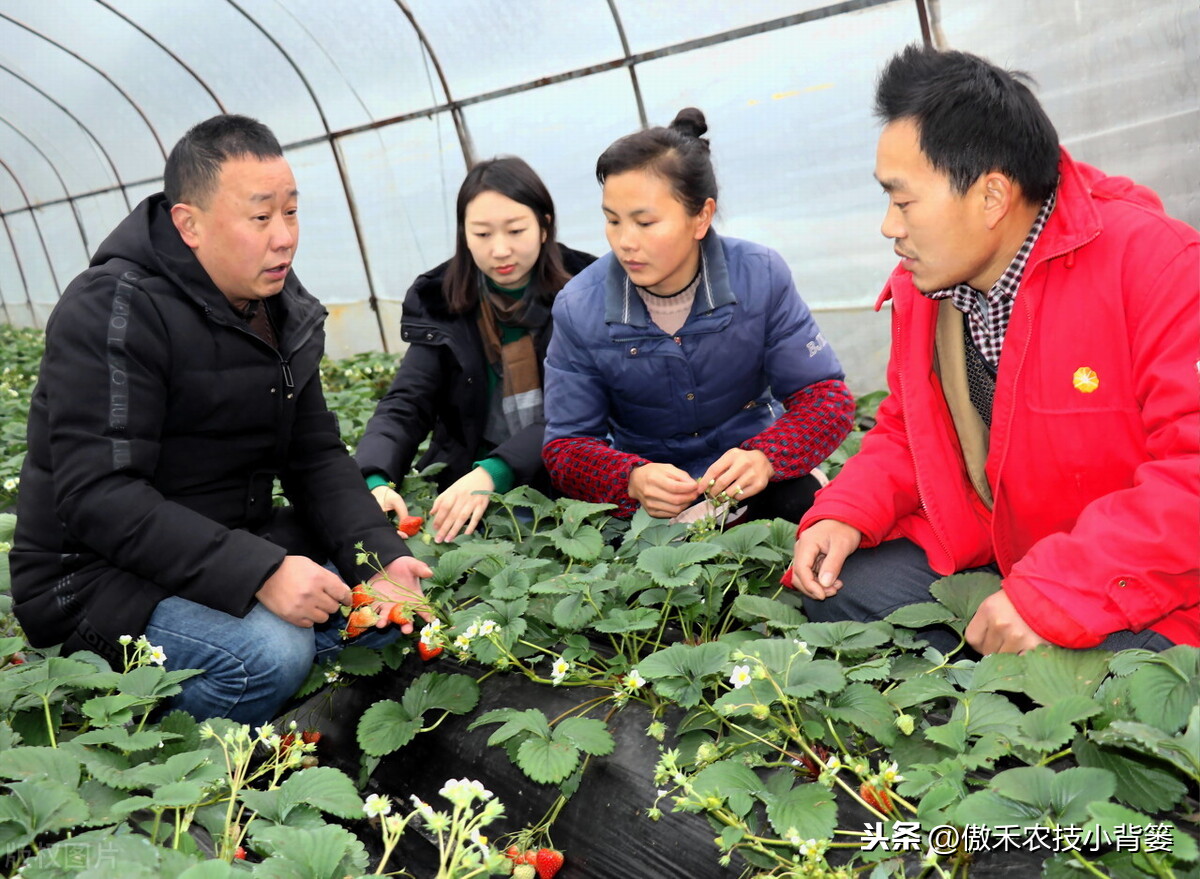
[{"x": 1085, "y": 380}]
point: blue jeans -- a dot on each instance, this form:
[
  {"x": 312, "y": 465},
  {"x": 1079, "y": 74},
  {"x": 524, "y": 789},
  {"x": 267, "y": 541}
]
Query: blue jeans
[
  {"x": 896, "y": 573},
  {"x": 252, "y": 665}
]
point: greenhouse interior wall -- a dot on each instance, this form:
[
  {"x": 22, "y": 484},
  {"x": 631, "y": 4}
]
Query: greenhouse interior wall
[{"x": 382, "y": 104}]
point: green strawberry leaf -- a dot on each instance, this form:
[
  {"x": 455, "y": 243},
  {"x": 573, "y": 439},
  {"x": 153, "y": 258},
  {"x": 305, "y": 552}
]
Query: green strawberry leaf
[
  {"x": 178, "y": 795},
  {"x": 846, "y": 635},
  {"x": 963, "y": 593},
  {"x": 584, "y": 544},
  {"x": 309, "y": 852},
  {"x": 920, "y": 689},
  {"x": 1141, "y": 782},
  {"x": 38, "y": 762},
  {"x": 1052, "y": 673},
  {"x": 547, "y": 761},
  {"x": 1182, "y": 751},
  {"x": 385, "y": 727},
  {"x": 863, "y": 706},
  {"x": 42, "y": 806},
  {"x": 760, "y": 609},
  {"x": 456, "y": 693},
  {"x": 1164, "y": 692},
  {"x": 676, "y": 565},
  {"x": 574, "y": 511},
  {"x": 574, "y": 611},
  {"x": 729, "y": 781},
  {"x": 587, "y": 734},
  {"x": 920, "y": 615},
  {"x": 999, "y": 672},
  {"x": 509, "y": 582},
  {"x": 514, "y": 722},
  {"x": 807, "y": 810},
  {"x": 1049, "y": 728},
  {"x": 324, "y": 787},
  {"x": 621, "y": 619},
  {"x": 361, "y": 661}
]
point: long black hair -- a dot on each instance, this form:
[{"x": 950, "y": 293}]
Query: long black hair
[
  {"x": 513, "y": 178},
  {"x": 677, "y": 153}
]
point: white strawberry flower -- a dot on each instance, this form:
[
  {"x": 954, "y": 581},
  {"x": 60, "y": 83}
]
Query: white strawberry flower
[
  {"x": 377, "y": 805},
  {"x": 558, "y": 672},
  {"x": 740, "y": 676}
]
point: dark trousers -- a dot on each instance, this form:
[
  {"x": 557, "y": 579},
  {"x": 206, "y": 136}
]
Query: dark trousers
[
  {"x": 786, "y": 499},
  {"x": 896, "y": 573}
]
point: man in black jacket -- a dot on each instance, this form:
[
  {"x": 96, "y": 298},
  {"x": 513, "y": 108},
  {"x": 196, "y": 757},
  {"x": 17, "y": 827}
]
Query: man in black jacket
[{"x": 180, "y": 379}]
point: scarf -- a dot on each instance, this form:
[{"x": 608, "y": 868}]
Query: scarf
[{"x": 516, "y": 363}]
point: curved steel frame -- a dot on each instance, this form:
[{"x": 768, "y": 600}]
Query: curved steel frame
[
  {"x": 451, "y": 105},
  {"x": 37, "y": 227}
]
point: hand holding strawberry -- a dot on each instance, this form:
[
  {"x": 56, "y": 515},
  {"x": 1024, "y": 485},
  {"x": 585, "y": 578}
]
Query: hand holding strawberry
[
  {"x": 408, "y": 526},
  {"x": 400, "y": 583}
]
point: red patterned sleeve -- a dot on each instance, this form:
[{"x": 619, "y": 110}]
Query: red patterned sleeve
[
  {"x": 817, "y": 418},
  {"x": 589, "y": 469}
]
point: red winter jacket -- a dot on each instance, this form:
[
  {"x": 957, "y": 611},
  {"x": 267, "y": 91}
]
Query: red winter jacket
[{"x": 1096, "y": 521}]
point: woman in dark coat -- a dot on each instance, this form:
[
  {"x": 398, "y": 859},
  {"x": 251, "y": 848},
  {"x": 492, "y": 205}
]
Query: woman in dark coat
[{"x": 477, "y": 328}]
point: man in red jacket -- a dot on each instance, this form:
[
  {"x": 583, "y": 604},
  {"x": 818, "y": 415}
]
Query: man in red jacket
[{"x": 1042, "y": 418}]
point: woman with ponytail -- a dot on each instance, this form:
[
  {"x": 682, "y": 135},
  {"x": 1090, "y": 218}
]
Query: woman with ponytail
[{"x": 684, "y": 363}]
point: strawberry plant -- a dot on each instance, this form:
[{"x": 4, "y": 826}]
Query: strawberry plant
[{"x": 809, "y": 749}]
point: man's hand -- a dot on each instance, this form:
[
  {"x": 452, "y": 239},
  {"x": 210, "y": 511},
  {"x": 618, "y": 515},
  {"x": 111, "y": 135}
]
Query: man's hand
[
  {"x": 739, "y": 474},
  {"x": 389, "y": 500},
  {"x": 819, "y": 555},
  {"x": 458, "y": 509},
  {"x": 663, "y": 490},
  {"x": 400, "y": 584},
  {"x": 302, "y": 592},
  {"x": 997, "y": 627}
]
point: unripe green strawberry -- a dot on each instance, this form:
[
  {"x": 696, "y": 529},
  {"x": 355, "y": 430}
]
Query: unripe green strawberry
[{"x": 524, "y": 871}]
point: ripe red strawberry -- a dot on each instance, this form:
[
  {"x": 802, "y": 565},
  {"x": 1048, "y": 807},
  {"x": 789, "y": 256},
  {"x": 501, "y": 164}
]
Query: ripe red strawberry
[
  {"x": 354, "y": 631},
  {"x": 240, "y": 854},
  {"x": 399, "y": 615},
  {"x": 548, "y": 862},
  {"x": 311, "y": 736},
  {"x": 286, "y": 742},
  {"x": 427, "y": 652},
  {"x": 876, "y": 797},
  {"x": 514, "y": 854},
  {"x": 359, "y": 596},
  {"x": 408, "y": 526},
  {"x": 363, "y": 617}
]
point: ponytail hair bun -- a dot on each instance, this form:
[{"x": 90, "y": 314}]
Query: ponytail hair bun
[
  {"x": 690, "y": 122},
  {"x": 677, "y": 153}
]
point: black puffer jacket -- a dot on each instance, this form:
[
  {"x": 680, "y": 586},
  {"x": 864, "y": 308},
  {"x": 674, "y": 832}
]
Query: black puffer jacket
[
  {"x": 157, "y": 427},
  {"x": 442, "y": 386}
]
